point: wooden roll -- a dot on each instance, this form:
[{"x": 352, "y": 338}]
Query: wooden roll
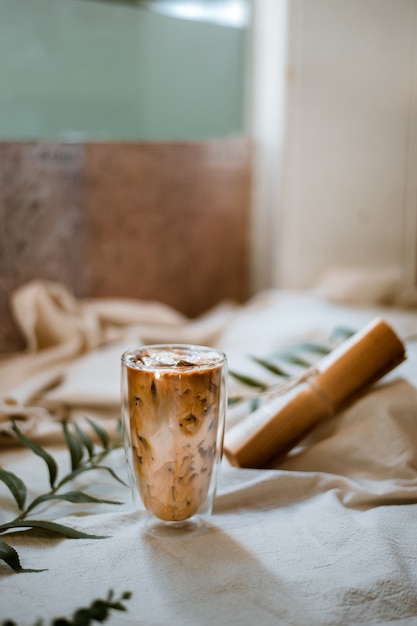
[{"x": 279, "y": 424}]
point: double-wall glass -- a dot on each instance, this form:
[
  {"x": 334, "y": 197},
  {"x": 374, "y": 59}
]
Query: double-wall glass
[{"x": 174, "y": 404}]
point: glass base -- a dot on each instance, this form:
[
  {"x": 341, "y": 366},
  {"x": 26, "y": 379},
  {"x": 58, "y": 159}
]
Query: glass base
[{"x": 159, "y": 528}]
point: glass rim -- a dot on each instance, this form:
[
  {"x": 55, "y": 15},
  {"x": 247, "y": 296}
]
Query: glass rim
[{"x": 175, "y": 346}]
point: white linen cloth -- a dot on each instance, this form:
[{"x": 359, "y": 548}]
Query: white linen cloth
[{"x": 327, "y": 537}]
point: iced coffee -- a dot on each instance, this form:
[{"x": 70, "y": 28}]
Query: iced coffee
[{"x": 175, "y": 398}]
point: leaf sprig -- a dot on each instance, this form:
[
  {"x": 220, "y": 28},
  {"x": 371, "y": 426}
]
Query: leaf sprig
[
  {"x": 85, "y": 456},
  {"x": 303, "y": 355},
  {"x": 98, "y": 611}
]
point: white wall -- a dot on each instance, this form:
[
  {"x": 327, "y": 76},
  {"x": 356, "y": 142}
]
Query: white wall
[
  {"x": 267, "y": 119},
  {"x": 342, "y": 191}
]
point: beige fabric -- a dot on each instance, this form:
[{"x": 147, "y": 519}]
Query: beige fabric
[
  {"x": 74, "y": 349},
  {"x": 370, "y": 449},
  {"x": 327, "y": 537},
  {"x": 364, "y": 285}
]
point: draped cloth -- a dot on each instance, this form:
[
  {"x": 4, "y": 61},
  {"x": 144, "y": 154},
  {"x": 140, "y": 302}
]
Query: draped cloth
[{"x": 326, "y": 536}]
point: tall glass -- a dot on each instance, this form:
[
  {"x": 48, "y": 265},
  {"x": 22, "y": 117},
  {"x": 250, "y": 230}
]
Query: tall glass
[{"x": 173, "y": 407}]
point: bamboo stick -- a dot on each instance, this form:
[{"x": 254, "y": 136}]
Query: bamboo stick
[{"x": 278, "y": 425}]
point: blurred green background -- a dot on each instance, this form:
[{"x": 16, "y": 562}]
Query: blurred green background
[{"x": 88, "y": 70}]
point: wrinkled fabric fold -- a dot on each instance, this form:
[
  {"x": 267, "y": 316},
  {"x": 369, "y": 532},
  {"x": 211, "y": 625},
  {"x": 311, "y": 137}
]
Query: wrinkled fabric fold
[
  {"x": 73, "y": 351},
  {"x": 324, "y": 537}
]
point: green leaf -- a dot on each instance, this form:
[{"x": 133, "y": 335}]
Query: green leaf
[
  {"x": 126, "y": 595},
  {"x": 74, "y": 446},
  {"x": 10, "y": 556},
  {"x": 53, "y": 527},
  {"x": 254, "y": 404},
  {"x": 294, "y": 359},
  {"x": 81, "y": 617},
  {"x": 85, "y": 439},
  {"x": 78, "y": 497},
  {"x": 100, "y": 432},
  {"x": 272, "y": 367},
  {"x": 118, "y": 606},
  {"x": 16, "y": 486},
  {"x": 232, "y": 400},
  {"x": 315, "y": 348},
  {"x": 89, "y": 468},
  {"x": 99, "y": 610},
  {"x": 248, "y": 380},
  {"x": 340, "y": 333},
  {"x": 112, "y": 472},
  {"x": 41, "y": 452}
]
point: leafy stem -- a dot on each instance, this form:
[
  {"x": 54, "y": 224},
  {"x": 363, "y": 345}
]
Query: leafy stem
[
  {"x": 289, "y": 366},
  {"x": 85, "y": 456},
  {"x": 98, "y": 611}
]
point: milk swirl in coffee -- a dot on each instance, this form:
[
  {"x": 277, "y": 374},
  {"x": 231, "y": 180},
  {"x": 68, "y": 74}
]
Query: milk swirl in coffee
[{"x": 174, "y": 402}]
